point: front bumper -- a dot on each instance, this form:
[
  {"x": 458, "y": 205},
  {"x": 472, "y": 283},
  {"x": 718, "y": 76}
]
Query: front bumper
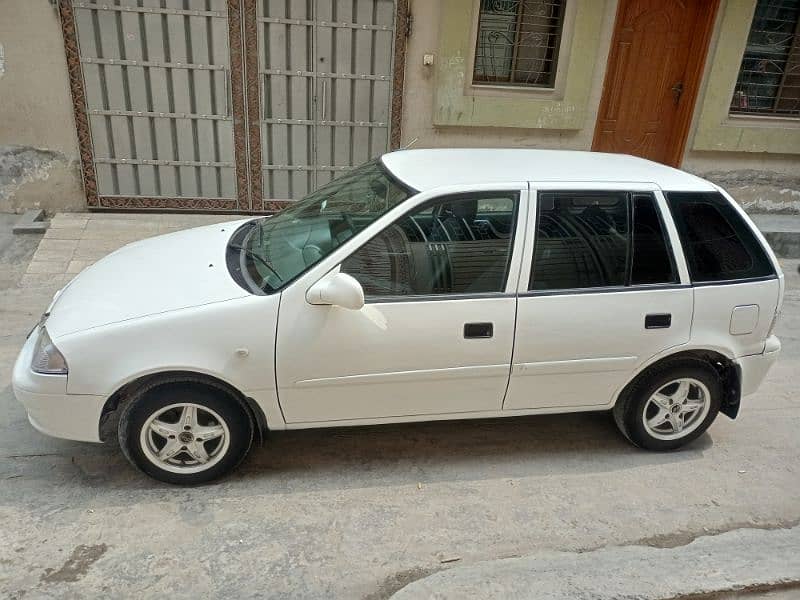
[
  {"x": 754, "y": 368},
  {"x": 50, "y": 409}
]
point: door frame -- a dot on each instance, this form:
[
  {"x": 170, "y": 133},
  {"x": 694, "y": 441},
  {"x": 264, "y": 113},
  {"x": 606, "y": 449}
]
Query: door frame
[
  {"x": 522, "y": 234},
  {"x": 243, "y": 50},
  {"x": 294, "y": 294},
  {"x": 536, "y": 187},
  {"x": 560, "y": 368},
  {"x": 704, "y": 28}
]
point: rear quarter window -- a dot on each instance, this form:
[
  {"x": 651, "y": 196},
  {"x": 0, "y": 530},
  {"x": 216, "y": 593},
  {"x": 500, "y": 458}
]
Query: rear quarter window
[{"x": 717, "y": 242}]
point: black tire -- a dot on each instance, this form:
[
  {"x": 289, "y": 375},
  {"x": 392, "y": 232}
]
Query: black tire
[
  {"x": 154, "y": 399},
  {"x": 629, "y": 409}
]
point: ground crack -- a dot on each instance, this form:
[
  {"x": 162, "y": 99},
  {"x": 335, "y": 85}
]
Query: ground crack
[{"x": 683, "y": 538}]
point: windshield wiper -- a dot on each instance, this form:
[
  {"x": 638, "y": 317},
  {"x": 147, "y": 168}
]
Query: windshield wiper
[{"x": 257, "y": 257}]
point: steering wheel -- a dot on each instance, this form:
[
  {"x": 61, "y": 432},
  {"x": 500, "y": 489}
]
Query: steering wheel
[
  {"x": 311, "y": 253},
  {"x": 349, "y": 222},
  {"x": 342, "y": 234}
]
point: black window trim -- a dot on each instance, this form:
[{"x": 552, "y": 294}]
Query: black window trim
[
  {"x": 517, "y": 200},
  {"x": 676, "y": 273},
  {"x": 631, "y": 194},
  {"x": 643, "y": 287},
  {"x": 613, "y": 289},
  {"x": 438, "y": 297},
  {"x": 735, "y": 281}
]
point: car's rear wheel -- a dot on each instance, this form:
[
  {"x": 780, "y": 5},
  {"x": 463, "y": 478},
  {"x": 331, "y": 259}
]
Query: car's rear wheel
[
  {"x": 185, "y": 433},
  {"x": 670, "y": 405}
]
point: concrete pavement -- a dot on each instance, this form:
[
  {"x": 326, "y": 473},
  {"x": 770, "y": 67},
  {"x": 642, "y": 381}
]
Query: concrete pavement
[{"x": 360, "y": 513}]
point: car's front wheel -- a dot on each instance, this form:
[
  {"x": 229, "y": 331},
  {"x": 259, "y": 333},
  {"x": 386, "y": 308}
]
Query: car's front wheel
[{"x": 185, "y": 433}]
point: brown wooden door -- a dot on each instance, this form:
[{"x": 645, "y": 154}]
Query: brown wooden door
[{"x": 654, "y": 66}]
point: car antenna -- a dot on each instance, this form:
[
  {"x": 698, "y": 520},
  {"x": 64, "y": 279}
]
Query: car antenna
[{"x": 409, "y": 144}]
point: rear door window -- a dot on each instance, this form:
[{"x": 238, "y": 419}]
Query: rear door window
[
  {"x": 719, "y": 245},
  {"x": 599, "y": 240},
  {"x": 581, "y": 240}
]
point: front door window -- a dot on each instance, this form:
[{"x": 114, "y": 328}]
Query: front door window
[{"x": 454, "y": 245}]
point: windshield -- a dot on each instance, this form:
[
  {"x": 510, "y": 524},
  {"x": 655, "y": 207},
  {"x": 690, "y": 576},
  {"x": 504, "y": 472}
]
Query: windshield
[{"x": 281, "y": 247}]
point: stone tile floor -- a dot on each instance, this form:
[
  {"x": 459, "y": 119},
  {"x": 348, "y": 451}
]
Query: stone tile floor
[{"x": 76, "y": 240}]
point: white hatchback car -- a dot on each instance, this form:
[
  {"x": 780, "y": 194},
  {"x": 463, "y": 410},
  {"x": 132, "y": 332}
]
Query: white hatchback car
[{"x": 429, "y": 284}]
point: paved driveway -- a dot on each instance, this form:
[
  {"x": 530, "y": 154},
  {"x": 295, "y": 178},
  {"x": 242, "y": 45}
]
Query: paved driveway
[{"x": 357, "y": 513}]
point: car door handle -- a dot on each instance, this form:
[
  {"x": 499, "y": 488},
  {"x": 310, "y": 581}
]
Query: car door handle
[
  {"x": 658, "y": 321},
  {"x": 478, "y": 330}
]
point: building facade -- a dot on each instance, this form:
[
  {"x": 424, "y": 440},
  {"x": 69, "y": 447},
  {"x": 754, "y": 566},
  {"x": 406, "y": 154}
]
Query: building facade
[{"x": 243, "y": 105}]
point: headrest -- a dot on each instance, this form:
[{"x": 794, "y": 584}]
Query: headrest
[{"x": 465, "y": 209}]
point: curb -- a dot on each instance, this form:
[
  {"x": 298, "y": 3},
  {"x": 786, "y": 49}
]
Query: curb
[
  {"x": 31, "y": 222},
  {"x": 782, "y": 233},
  {"x": 785, "y": 244},
  {"x": 737, "y": 560}
]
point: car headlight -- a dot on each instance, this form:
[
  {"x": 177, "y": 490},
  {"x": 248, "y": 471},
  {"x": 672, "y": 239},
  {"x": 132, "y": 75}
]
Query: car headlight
[{"x": 47, "y": 360}]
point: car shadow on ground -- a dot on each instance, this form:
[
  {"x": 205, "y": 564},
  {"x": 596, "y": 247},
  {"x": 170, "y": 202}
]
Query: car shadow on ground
[
  {"x": 456, "y": 450},
  {"x": 403, "y": 454}
]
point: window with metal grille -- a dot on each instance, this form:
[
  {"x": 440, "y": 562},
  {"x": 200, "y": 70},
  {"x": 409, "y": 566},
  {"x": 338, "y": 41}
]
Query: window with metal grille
[
  {"x": 769, "y": 78},
  {"x": 518, "y": 42}
]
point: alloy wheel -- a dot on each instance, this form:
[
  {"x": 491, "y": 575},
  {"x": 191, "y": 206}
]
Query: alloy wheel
[
  {"x": 185, "y": 438},
  {"x": 676, "y": 409}
]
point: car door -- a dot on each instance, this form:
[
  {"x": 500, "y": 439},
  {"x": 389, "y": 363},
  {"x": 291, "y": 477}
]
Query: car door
[
  {"x": 436, "y": 333},
  {"x": 601, "y": 292}
]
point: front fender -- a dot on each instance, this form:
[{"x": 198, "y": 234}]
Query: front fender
[{"x": 232, "y": 341}]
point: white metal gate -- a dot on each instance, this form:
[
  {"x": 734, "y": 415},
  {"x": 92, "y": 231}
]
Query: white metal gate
[
  {"x": 227, "y": 104},
  {"x": 326, "y": 85}
]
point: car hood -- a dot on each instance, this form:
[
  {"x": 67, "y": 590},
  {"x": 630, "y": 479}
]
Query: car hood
[{"x": 165, "y": 273}]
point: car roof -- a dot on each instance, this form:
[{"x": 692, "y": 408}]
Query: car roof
[{"x": 432, "y": 168}]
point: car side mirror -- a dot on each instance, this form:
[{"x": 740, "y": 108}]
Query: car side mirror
[{"x": 338, "y": 289}]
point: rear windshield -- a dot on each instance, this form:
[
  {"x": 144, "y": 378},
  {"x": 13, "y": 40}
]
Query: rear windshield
[{"x": 719, "y": 245}]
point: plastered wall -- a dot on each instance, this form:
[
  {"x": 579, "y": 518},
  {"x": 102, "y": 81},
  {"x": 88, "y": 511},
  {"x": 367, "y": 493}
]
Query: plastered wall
[
  {"x": 38, "y": 145},
  {"x": 441, "y": 108}
]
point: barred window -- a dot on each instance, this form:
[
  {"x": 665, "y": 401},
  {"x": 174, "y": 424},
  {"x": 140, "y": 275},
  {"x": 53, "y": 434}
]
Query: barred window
[
  {"x": 769, "y": 78},
  {"x": 518, "y": 42}
]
